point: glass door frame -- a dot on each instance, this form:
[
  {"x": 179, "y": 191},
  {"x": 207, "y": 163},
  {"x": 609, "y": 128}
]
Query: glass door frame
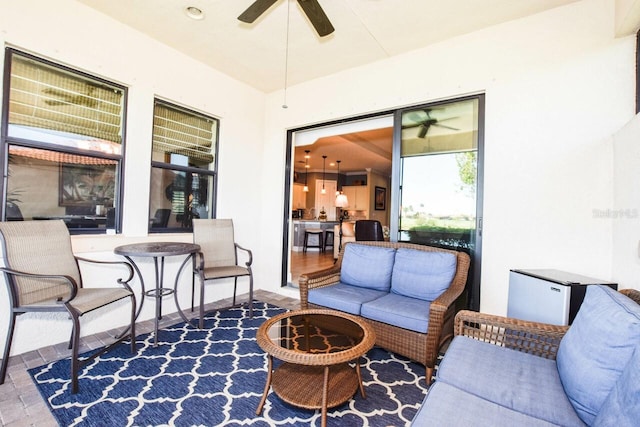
[
  {"x": 473, "y": 302},
  {"x": 473, "y": 282}
]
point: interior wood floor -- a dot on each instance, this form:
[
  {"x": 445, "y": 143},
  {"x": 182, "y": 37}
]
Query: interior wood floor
[
  {"x": 307, "y": 262},
  {"x": 20, "y": 402}
]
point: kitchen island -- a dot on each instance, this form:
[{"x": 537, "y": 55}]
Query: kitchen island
[{"x": 299, "y": 227}]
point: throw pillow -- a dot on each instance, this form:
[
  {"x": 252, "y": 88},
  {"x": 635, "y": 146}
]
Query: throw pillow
[
  {"x": 622, "y": 407},
  {"x": 422, "y": 274},
  {"x": 367, "y": 266},
  {"x": 597, "y": 347}
]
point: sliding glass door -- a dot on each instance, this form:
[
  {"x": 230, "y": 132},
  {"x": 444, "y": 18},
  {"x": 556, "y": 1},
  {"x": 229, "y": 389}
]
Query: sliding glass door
[
  {"x": 428, "y": 156},
  {"x": 438, "y": 183}
]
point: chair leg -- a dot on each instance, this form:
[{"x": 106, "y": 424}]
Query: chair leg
[
  {"x": 235, "y": 288},
  {"x": 7, "y": 347},
  {"x": 429, "y": 377},
  {"x": 201, "y": 321},
  {"x": 75, "y": 343},
  {"x": 133, "y": 323},
  {"x": 251, "y": 295},
  {"x": 193, "y": 288}
]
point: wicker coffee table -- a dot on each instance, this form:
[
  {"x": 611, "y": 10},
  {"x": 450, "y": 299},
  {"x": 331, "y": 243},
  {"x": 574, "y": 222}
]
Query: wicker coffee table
[{"x": 315, "y": 346}]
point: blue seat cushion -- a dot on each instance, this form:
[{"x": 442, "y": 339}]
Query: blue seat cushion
[
  {"x": 449, "y": 406},
  {"x": 367, "y": 266},
  {"x": 343, "y": 297},
  {"x": 597, "y": 347},
  {"x": 622, "y": 407},
  {"x": 515, "y": 380},
  {"x": 422, "y": 274},
  {"x": 398, "y": 310}
]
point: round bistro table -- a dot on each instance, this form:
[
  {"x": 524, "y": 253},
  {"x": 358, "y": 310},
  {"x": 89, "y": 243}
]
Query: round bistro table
[
  {"x": 315, "y": 346},
  {"x": 158, "y": 251}
]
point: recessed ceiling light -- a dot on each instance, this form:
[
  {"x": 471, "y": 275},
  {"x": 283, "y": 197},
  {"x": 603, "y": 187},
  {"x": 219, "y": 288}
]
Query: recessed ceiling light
[{"x": 194, "y": 13}]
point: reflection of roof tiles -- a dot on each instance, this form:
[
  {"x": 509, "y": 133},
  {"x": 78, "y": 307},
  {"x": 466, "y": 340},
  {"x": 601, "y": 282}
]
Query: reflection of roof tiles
[{"x": 55, "y": 156}]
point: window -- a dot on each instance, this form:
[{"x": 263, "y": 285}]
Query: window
[
  {"x": 183, "y": 168},
  {"x": 63, "y": 144}
]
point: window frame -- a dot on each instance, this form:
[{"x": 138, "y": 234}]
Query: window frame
[
  {"x": 212, "y": 171},
  {"x": 6, "y": 141}
]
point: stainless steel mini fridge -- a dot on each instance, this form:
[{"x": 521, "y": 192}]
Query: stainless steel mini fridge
[{"x": 546, "y": 295}]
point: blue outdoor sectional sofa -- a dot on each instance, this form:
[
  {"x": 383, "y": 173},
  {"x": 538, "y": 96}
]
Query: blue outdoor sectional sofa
[{"x": 509, "y": 372}]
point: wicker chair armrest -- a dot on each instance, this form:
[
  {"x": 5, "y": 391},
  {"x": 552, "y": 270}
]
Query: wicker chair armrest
[
  {"x": 317, "y": 279},
  {"x": 249, "y": 253},
  {"x": 448, "y": 297},
  {"x": 320, "y": 278},
  {"x": 125, "y": 264},
  {"x": 457, "y": 286},
  {"x": 540, "y": 339},
  {"x": 634, "y": 294},
  {"x": 69, "y": 281}
]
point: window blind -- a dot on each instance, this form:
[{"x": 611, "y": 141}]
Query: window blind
[
  {"x": 180, "y": 132},
  {"x": 45, "y": 97}
]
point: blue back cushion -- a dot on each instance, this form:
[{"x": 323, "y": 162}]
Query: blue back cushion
[
  {"x": 597, "y": 347},
  {"x": 367, "y": 266},
  {"x": 421, "y": 274}
]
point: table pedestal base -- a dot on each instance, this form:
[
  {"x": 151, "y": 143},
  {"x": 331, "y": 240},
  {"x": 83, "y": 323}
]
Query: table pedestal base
[{"x": 299, "y": 385}]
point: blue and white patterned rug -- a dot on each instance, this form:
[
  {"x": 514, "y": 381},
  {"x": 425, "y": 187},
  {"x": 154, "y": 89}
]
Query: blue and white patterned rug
[{"x": 215, "y": 377}]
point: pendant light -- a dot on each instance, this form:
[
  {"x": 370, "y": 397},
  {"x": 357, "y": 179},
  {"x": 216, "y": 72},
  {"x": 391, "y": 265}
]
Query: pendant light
[
  {"x": 324, "y": 159},
  {"x": 341, "y": 199},
  {"x": 338, "y": 179},
  {"x": 341, "y": 203},
  {"x": 306, "y": 170}
]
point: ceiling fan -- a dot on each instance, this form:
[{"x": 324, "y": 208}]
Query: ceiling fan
[
  {"x": 70, "y": 98},
  {"x": 311, "y": 8},
  {"x": 424, "y": 120}
]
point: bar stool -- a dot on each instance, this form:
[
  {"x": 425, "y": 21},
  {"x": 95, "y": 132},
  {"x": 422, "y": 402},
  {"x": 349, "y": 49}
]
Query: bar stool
[
  {"x": 328, "y": 234},
  {"x": 313, "y": 232}
]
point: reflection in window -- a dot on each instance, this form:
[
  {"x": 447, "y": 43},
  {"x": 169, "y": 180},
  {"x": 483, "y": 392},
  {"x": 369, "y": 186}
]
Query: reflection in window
[
  {"x": 183, "y": 167},
  {"x": 46, "y": 184},
  {"x": 439, "y": 175},
  {"x": 64, "y": 144}
]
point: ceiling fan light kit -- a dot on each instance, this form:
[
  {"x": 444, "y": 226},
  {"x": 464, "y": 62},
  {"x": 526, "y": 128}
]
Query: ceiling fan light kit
[
  {"x": 311, "y": 8},
  {"x": 324, "y": 159},
  {"x": 306, "y": 170}
]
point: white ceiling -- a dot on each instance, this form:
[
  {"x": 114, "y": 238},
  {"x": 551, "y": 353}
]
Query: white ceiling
[{"x": 365, "y": 31}]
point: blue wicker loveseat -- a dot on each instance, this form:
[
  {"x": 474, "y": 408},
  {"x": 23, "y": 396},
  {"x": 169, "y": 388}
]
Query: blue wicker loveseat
[
  {"x": 508, "y": 372},
  {"x": 406, "y": 292}
]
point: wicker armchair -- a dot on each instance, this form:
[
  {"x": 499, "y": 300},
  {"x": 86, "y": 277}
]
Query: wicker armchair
[
  {"x": 540, "y": 339},
  {"x": 420, "y": 347},
  {"x": 42, "y": 275}
]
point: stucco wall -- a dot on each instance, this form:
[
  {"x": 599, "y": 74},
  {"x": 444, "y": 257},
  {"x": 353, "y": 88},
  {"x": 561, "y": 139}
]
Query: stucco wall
[
  {"x": 73, "y": 34},
  {"x": 557, "y": 85}
]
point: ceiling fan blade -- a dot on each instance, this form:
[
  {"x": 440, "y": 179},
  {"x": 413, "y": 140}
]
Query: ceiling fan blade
[
  {"x": 318, "y": 18},
  {"x": 254, "y": 11},
  {"x": 445, "y": 126},
  {"x": 413, "y": 125},
  {"x": 55, "y": 103},
  {"x": 448, "y": 118}
]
